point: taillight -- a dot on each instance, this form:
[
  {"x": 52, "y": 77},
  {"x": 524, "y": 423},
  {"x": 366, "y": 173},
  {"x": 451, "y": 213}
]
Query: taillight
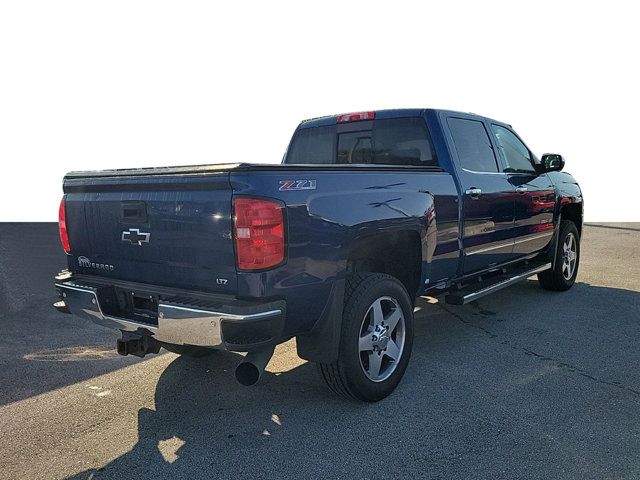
[
  {"x": 259, "y": 233},
  {"x": 356, "y": 117},
  {"x": 62, "y": 224}
]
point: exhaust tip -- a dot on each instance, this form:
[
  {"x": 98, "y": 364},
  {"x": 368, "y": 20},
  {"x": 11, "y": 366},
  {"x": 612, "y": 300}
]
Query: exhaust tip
[{"x": 247, "y": 374}]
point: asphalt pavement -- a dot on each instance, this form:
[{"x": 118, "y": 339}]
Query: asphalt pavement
[{"x": 521, "y": 384}]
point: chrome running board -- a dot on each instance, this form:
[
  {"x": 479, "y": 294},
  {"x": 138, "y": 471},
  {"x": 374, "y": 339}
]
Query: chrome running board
[{"x": 475, "y": 291}]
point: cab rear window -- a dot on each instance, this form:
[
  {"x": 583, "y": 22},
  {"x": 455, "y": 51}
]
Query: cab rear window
[
  {"x": 397, "y": 141},
  {"x": 313, "y": 145}
]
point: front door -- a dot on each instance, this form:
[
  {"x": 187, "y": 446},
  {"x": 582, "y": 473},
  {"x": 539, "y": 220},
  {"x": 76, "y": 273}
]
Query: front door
[
  {"x": 488, "y": 196},
  {"x": 535, "y": 197}
]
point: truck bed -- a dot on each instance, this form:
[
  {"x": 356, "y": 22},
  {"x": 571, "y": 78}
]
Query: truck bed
[{"x": 222, "y": 167}]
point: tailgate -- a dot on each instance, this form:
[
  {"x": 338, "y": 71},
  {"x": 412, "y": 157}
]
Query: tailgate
[{"x": 171, "y": 229}]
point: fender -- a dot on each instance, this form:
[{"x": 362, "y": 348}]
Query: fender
[{"x": 386, "y": 211}]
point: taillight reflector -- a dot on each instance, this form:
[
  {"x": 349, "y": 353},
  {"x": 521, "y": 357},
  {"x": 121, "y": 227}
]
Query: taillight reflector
[
  {"x": 258, "y": 232},
  {"x": 356, "y": 117},
  {"x": 62, "y": 225}
]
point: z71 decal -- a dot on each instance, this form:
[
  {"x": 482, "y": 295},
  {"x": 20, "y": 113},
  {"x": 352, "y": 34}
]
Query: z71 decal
[{"x": 286, "y": 185}]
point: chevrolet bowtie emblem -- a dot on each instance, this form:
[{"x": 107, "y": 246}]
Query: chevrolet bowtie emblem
[{"x": 135, "y": 237}]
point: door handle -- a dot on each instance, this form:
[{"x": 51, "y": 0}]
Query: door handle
[
  {"x": 521, "y": 189},
  {"x": 473, "y": 192}
]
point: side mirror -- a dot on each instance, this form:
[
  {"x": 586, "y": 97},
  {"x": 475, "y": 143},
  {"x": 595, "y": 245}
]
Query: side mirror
[{"x": 552, "y": 162}]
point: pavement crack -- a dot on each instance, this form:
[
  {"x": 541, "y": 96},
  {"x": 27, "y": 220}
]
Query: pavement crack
[
  {"x": 460, "y": 318},
  {"x": 558, "y": 363},
  {"x": 573, "y": 369}
]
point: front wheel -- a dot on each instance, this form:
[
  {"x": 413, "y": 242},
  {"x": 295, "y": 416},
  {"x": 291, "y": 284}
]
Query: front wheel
[
  {"x": 376, "y": 338},
  {"x": 563, "y": 275}
]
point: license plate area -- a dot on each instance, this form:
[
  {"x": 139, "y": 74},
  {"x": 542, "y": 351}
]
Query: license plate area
[{"x": 137, "y": 306}]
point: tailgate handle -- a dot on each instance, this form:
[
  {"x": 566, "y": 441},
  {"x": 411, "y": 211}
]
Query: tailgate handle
[{"x": 134, "y": 212}]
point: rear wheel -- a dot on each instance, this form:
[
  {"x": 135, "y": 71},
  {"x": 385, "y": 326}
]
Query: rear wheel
[
  {"x": 189, "y": 350},
  {"x": 376, "y": 338},
  {"x": 563, "y": 275}
]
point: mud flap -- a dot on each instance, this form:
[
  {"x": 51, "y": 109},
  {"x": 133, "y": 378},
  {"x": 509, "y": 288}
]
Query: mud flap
[{"x": 322, "y": 343}]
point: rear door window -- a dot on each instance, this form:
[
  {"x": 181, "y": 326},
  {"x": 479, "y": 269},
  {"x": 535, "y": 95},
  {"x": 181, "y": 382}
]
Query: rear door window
[
  {"x": 394, "y": 141},
  {"x": 473, "y": 145}
]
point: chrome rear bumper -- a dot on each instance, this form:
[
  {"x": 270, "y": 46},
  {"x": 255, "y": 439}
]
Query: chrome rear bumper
[{"x": 176, "y": 324}]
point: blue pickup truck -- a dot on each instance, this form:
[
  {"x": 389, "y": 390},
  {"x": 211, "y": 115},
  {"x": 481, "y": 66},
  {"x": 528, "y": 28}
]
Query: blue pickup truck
[{"x": 367, "y": 212}]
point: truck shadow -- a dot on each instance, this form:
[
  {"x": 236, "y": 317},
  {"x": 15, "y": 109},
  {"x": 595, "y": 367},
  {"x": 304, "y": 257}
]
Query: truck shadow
[
  {"x": 204, "y": 422},
  {"x": 205, "y": 425}
]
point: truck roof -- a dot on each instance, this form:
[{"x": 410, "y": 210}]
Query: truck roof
[{"x": 381, "y": 114}]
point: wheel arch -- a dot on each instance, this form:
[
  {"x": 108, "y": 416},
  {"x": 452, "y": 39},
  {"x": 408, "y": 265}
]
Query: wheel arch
[
  {"x": 397, "y": 253},
  {"x": 572, "y": 211}
]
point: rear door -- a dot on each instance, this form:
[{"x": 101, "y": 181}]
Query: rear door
[
  {"x": 169, "y": 230},
  {"x": 487, "y": 194},
  {"x": 535, "y": 197}
]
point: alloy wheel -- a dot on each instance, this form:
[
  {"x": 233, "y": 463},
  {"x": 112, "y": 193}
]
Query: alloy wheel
[
  {"x": 382, "y": 336},
  {"x": 569, "y": 256}
]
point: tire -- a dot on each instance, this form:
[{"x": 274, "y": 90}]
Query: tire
[
  {"x": 366, "y": 368},
  {"x": 189, "y": 350},
  {"x": 563, "y": 275}
]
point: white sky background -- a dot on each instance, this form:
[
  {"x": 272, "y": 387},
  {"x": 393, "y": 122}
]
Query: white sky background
[{"x": 92, "y": 85}]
